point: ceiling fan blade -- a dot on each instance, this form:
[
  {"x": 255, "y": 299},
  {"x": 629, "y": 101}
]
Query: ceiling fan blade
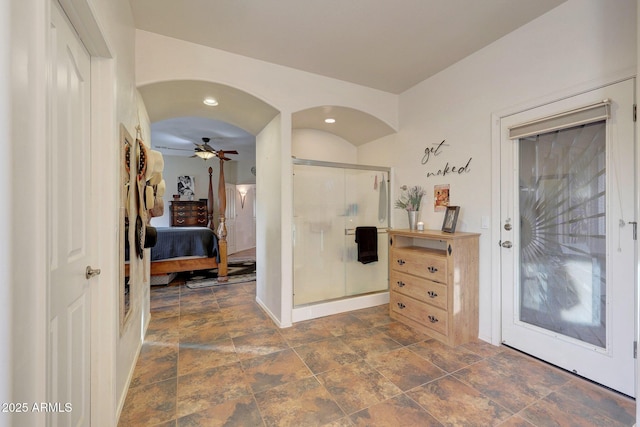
[
  {"x": 171, "y": 148},
  {"x": 225, "y": 158},
  {"x": 231, "y": 152}
]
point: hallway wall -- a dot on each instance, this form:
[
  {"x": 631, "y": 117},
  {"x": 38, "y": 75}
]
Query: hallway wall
[{"x": 573, "y": 47}]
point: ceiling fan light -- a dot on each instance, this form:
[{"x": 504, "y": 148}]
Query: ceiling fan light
[{"x": 205, "y": 155}]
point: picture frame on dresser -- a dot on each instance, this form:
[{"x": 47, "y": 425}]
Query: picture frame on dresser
[
  {"x": 450, "y": 219},
  {"x": 186, "y": 187}
]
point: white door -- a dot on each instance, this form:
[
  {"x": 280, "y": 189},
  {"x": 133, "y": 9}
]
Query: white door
[
  {"x": 68, "y": 207},
  {"x": 567, "y": 234}
]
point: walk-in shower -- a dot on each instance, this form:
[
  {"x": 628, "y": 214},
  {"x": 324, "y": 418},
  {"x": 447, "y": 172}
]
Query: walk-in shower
[{"x": 330, "y": 200}]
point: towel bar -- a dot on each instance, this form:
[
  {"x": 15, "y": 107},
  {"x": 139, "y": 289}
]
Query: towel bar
[{"x": 350, "y": 231}]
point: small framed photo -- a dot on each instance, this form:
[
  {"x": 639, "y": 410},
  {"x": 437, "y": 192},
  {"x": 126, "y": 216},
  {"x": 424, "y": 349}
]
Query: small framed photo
[{"x": 450, "y": 219}]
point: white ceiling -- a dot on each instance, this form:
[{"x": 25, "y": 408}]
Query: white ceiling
[{"x": 390, "y": 45}]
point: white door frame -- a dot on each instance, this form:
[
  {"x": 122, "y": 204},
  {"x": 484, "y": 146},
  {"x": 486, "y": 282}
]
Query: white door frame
[
  {"x": 104, "y": 161},
  {"x": 496, "y": 132}
]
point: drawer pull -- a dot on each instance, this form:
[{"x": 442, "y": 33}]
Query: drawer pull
[
  {"x": 400, "y": 283},
  {"x": 401, "y": 305},
  {"x": 433, "y": 319},
  {"x": 400, "y": 262},
  {"x": 432, "y": 294},
  {"x": 180, "y": 221},
  {"x": 432, "y": 269}
]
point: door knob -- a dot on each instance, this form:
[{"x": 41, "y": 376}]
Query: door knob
[
  {"x": 90, "y": 272},
  {"x": 506, "y": 244}
]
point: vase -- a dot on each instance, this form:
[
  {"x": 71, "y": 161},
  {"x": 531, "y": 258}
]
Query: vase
[{"x": 413, "y": 219}]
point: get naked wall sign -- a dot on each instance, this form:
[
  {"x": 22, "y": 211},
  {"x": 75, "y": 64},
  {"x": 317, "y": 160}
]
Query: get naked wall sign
[{"x": 436, "y": 150}]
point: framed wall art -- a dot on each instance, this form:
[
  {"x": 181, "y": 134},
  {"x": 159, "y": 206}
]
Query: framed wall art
[{"x": 186, "y": 187}]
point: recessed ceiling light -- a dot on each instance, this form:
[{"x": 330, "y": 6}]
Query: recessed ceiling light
[
  {"x": 330, "y": 120},
  {"x": 212, "y": 102}
]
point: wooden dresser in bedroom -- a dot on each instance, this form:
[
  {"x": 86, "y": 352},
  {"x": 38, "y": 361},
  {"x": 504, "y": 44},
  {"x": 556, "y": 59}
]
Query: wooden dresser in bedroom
[
  {"x": 433, "y": 283},
  {"x": 188, "y": 213}
]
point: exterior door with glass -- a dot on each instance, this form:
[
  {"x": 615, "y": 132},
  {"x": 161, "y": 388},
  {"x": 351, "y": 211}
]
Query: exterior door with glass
[{"x": 567, "y": 234}]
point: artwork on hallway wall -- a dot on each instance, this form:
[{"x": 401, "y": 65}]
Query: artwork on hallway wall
[
  {"x": 440, "y": 197},
  {"x": 186, "y": 187}
]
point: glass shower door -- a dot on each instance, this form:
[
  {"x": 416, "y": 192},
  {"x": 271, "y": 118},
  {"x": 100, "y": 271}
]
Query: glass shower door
[
  {"x": 364, "y": 189},
  {"x": 329, "y": 203}
]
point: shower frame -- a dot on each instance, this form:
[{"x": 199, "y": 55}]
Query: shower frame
[{"x": 348, "y": 302}]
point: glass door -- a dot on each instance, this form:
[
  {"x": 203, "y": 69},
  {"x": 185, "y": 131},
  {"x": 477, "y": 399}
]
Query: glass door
[
  {"x": 366, "y": 190},
  {"x": 329, "y": 201},
  {"x": 568, "y": 275}
]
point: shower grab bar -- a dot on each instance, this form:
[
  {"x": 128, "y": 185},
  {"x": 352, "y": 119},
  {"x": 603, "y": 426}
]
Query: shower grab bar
[{"x": 351, "y": 231}]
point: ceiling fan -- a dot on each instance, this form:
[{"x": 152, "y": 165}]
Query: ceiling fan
[{"x": 205, "y": 151}]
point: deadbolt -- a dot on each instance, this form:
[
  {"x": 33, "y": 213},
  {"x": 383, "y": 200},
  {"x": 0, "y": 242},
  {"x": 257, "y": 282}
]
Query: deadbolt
[{"x": 507, "y": 226}]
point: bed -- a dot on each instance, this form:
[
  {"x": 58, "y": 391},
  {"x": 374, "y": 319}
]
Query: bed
[{"x": 194, "y": 248}]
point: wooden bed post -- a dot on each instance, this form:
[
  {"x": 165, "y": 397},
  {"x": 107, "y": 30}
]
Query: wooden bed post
[
  {"x": 222, "y": 226},
  {"x": 210, "y": 202}
]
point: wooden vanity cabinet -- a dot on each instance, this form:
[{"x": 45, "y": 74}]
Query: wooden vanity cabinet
[{"x": 433, "y": 283}]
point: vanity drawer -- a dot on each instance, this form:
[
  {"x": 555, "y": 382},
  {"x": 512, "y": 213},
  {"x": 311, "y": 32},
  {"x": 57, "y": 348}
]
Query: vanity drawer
[
  {"x": 421, "y": 289},
  {"x": 427, "y": 315},
  {"x": 428, "y": 265}
]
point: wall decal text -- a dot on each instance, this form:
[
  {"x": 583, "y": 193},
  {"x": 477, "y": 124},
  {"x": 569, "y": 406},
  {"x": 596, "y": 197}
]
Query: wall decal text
[{"x": 447, "y": 169}]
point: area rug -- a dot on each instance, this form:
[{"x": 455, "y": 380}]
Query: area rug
[{"x": 238, "y": 272}]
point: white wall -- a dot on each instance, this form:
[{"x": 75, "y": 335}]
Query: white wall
[
  {"x": 161, "y": 58},
  {"x": 578, "y": 44},
  {"x": 269, "y": 292},
  {"x": 6, "y": 270},
  {"x": 175, "y": 166},
  {"x": 318, "y": 145},
  {"x": 235, "y": 172}
]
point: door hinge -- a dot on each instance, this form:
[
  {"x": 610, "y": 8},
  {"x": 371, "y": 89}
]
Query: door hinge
[
  {"x": 635, "y": 112},
  {"x": 635, "y": 349},
  {"x": 635, "y": 229}
]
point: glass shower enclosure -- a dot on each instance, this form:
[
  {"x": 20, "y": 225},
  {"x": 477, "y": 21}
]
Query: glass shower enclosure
[{"x": 329, "y": 201}]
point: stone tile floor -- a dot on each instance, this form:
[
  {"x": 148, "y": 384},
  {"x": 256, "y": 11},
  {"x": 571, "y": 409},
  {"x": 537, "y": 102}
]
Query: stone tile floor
[{"x": 212, "y": 357}]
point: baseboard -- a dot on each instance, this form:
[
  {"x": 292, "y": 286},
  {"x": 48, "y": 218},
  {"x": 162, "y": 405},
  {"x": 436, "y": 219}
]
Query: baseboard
[
  {"x": 270, "y": 314},
  {"x": 339, "y": 306},
  {"x": 123, "y": 396}
]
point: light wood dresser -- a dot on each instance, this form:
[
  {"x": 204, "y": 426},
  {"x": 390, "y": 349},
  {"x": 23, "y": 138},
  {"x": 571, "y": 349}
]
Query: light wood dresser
[{"x": 433, "y": 283}]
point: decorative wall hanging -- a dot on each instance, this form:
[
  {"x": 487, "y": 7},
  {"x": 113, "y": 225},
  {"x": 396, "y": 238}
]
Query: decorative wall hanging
[
  {"x": 436, "y": 150},
  {"x": 440, "y": 197},
  {"x": 186, "y": 187}
]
